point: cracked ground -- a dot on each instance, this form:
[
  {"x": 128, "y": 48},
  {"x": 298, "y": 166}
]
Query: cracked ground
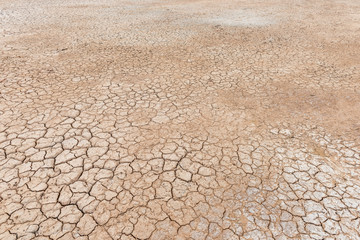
[{"x": 179, "y": 119}]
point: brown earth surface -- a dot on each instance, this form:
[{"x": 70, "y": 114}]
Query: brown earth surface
[{"x": 179, "y": 119}]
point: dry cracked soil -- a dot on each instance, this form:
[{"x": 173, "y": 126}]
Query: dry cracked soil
[{"x": 179, "y": 119}]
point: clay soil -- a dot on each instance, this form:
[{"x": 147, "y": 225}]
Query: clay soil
[{"x": 179, "y": 119}]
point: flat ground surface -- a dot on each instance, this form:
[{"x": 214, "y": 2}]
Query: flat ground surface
[{"x": 179, "y": 119}]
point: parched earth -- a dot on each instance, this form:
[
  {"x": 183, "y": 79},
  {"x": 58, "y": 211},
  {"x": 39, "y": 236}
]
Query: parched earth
[{"x": 179, "y": 119}]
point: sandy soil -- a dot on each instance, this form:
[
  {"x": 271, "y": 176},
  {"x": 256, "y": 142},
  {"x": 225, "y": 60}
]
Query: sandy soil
[{"x": 179, "y": 119}]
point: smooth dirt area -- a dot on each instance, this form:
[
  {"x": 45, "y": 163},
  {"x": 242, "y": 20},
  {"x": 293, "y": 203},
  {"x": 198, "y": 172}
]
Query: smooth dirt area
[{"x": 179, "y": 119}]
